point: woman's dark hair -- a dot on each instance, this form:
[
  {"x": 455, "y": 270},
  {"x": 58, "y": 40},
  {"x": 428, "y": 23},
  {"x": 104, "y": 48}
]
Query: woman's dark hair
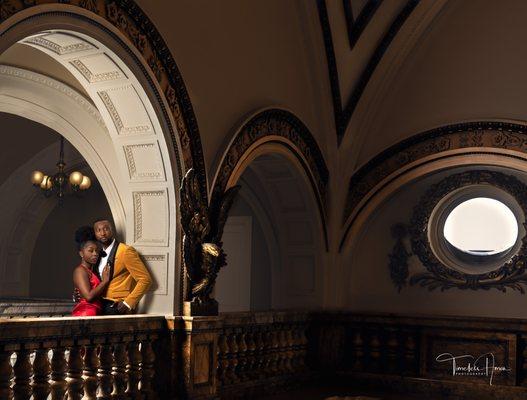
[{"x": 83, "y": 235}]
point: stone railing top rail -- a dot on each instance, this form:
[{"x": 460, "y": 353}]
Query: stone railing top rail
[
  {"x": 423, "y": 320},
  {"x": 34, "y": 329}
]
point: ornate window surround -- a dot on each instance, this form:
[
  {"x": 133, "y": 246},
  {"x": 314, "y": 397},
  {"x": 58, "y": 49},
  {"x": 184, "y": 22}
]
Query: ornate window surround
[
  {"x": 451, "y": 256},
  {"x": 444, "y": 271}
]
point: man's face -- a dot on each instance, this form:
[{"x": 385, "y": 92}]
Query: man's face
[{"x": 103, "y": 232}]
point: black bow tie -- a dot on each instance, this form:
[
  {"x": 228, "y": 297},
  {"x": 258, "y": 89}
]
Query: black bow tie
[{"x": 103, "y": 253}]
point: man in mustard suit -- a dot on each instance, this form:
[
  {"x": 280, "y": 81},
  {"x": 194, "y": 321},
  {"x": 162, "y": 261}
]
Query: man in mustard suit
[{"x": 129, "y": 278}]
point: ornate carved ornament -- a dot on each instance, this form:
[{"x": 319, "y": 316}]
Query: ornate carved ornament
[
  {"x": 202, "y": 245},
  {"x": 512, "y": 272},
  {"x": 500, "y": 135},
  {"x": 282, "y": 123},
  {"x": 135, "y": 25}
]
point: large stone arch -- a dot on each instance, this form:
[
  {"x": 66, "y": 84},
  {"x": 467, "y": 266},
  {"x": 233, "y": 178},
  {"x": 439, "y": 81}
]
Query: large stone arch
[
  {"x": 133, "y": 147},
  {"x": 129, "y": 27}
]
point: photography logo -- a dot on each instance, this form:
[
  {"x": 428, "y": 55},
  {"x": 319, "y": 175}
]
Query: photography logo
[{"x": 469, "y": 365}]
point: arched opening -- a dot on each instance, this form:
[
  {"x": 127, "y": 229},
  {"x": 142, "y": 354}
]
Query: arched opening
[
  {"x": 273, "y": 239},
  {"x": 80, "y": 79},
  {"x": 36, "y": 234}
]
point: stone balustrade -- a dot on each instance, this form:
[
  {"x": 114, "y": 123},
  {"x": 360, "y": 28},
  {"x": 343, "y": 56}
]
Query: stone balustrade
[
  {"x": 242, "y": 355},
  {"x": 79, "y": 358},
  {"x": 261, "y": 349}
]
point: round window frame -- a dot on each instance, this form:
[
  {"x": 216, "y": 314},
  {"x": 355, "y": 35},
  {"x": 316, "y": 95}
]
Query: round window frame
[
  {"x": 443, "y": 269},
  {"x": 457, "y": 259}
]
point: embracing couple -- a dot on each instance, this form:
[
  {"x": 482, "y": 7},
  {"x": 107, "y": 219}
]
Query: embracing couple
[{"x": 111, "y": 278}]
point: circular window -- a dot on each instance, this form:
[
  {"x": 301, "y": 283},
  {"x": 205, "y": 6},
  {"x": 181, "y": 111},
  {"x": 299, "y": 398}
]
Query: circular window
[
  {"x": 481, "y": 227},
  {"x": 476, "y": 228},
  {"x": 469, "y": 231}
]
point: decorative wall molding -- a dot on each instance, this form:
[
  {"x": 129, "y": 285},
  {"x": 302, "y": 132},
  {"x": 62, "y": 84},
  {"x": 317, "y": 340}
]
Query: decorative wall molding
[
  {"x": 483, "y": 134},
  {"x": 128, "y": 95},
  {"x": 158, "y": 263},
  {"x": 284, "y": 124},
  {"x": 146, "y": 152},
  {"x": 149, "y": 227},
  {"x": 15, "y": 72},
  {"x": 344, "y": 113},
  {"x": 50, "y": 42},
  {"x": 91, "y": 75},
  {"x": 134, "y": 24}
]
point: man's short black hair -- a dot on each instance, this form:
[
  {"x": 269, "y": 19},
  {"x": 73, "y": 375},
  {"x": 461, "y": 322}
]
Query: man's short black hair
[{"x": 102, "y": 219}]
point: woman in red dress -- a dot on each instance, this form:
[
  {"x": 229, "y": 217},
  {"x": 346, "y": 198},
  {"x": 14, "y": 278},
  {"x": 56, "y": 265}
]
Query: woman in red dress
[{"x": 91, "y": 288}]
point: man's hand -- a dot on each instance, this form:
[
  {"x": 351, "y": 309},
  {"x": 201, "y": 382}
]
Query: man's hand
[{"x": 122, "y": 308}]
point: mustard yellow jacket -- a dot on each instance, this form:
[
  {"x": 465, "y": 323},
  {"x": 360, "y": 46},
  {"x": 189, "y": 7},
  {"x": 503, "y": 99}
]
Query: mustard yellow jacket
[{"x": 130, "y": 279}]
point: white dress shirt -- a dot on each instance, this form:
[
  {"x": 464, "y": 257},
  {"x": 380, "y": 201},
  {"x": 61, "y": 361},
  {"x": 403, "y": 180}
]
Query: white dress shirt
[{"x": 104, "y": 260}]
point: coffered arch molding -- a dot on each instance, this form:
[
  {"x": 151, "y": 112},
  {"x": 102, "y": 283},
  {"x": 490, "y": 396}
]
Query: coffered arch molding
[
  {"x": 274, "y": 131},
  {"x": 137, "y": 40},
  {"x": 494, "y": 143}
]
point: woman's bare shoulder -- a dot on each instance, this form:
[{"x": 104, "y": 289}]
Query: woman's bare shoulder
[{"x": 80, "y": 270}]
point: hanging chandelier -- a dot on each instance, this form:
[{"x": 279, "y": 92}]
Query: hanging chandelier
[{"x": 58, "y": 183}]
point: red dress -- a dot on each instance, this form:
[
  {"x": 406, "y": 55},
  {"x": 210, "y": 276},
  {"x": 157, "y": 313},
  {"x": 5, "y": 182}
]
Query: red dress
[{"x": 85, "y": 308}]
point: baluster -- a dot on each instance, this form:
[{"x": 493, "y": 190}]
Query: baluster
[
  {"x": 120, "y": 360},
  {"x": 523, "y": 363},
  {"x": 91, "y": 364},
  {"x": 58, "y": 374},
  {"x": 250, "y": 355},
  {"x": 375, "y": 351},
  {"x": 133, "y": 369},
  {"x": 303, "y": 348},
  {"x": 233, "y": 357},
  {"x": 279, "y": 352},
  {"x": 147, "y": 366},
  {"x": 74, "y": 375},
  {"x": 23, "y": 371},
  {"x": 104, "y": 372},
  {"x": 393, "y": 351},
  {"x": 358, "y": 350},
  {"x": 289, "y": 350},
  {"x": 273, "y": 352},
  {"x": 294, "y": 345},
  {"x": 242, "y": 356},
  {"x": 6, "y": 375},
  {"x": 410, "y": 354},
  {"x": 41, "y": 372},
  {"x": 223, "y": 362},
  {"x": 268, "y": 352},
  {"x": 259, "y": 353},
  {"x": 284, "y": 350}
]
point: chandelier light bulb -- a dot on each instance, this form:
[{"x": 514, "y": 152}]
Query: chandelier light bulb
[
  {"x": 85, "y": 184},
  {"x": 46, "y": 183},
  {"x": 37, "y": 177},
  {"x": 76, "y": 178}
]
